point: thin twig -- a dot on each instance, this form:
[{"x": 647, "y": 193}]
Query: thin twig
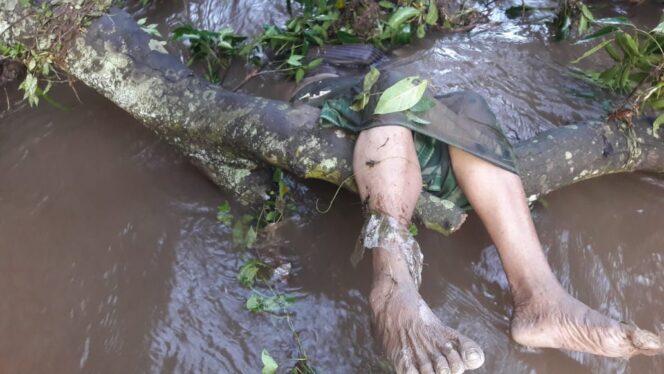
[
  {"x": 334, "y": 197},
  {"x": 370, "y": 163},
  {"x": 256, "y": 73},
  {"x": 9, "y": 107},
  {"x": 71, "y": 85},
  {"x": 11, "y": 25}
]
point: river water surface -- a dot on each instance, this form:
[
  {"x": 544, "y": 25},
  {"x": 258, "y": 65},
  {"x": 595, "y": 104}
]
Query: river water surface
[{"x": 112, "y": 261}]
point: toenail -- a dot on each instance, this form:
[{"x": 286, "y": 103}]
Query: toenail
[
  {"x": 473, "y": 355},
  {"x": 448, "y": 345}
]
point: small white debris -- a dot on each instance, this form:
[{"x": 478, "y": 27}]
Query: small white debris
[
  {"x": 568, "y": 155},
  {"x": 157, "y": 45},
  {"x": 309, "y": 96},
  {"x": 447, "y": 204}
]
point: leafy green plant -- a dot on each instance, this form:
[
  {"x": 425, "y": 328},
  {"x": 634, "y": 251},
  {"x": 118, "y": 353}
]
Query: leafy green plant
[
  {"x": 256, "y": 273},
  {"x": 303, "y": 367},
  {"x": 278, "y": 305},
  {"x": 289, "y": 45},
  {"x": 150, "y": 29},
  {"x": 401, "y": 96},
  {"x": 638, "y": 63},
  {"x": 411, "y": 19},
  {"x": 250, "y": 271},
  {"x": 275, "y": 208},
  {"x": 572, "y": 14},
  {"x": 269, "y": 304},
  {"x": 324, "y": 22},
  {"x": 362, "y": 99},
  {"x": 224, "y": 213},
  {"x": 46, "y": 44},
  {"x": 244, "y": 231},
  {"x": 38, "y": 64},
  {"x": 270, "y": 366},
  {"x": 412, "y": 229},
  {"x": 214, "y": 48},
  {"x": 404, "y": 95}
]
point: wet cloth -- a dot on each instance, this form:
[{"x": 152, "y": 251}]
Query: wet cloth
[
  {"x": 383, "y": 231},
  {"x": 461, "y": 119}
]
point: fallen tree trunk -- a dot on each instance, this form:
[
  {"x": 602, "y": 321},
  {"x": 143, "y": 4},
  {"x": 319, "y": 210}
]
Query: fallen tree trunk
[{"x": 233, "y": 136}]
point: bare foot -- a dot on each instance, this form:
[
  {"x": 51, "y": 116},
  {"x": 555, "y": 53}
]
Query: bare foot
[
  {"x": 413, "y": 337},
  {"x": 557, "y": 320}
]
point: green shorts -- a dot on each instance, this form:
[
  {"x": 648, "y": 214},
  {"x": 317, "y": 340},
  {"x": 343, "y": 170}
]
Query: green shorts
[{"x": 460, "y": 119}]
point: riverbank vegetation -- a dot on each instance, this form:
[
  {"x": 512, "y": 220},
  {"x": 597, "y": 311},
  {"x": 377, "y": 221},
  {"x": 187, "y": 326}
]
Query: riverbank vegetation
[
  {"x": 46, "y": 43},
  {"x": 637, "y": 54},
  {"x": 316, "y": 23},
  {"x": 637, "y": 67},
  {"x": 284, "y": 49}
]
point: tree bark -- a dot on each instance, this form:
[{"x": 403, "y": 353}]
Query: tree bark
[{"x": 232, "y": 137}]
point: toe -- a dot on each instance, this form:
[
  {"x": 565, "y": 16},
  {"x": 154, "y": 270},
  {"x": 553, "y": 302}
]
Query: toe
[
  {"x": 442, "y": 367},
  {"x": 646, "y": 342},
  {"x": 453, "y": 358},
  {"x": 421, "y": 351},
  {"x": 471, "y": 353},
  {"x": 427, "y": 368},
  {"x": 403, "y": 361},
  {"x": 404, "y": 364}
]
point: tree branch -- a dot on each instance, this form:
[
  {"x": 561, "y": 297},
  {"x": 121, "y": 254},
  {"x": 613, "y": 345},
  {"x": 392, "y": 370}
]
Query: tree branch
[{"x": 217, "y": 128}]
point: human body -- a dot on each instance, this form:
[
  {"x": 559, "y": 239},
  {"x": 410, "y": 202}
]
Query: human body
[{"x": 388, "y": 169}]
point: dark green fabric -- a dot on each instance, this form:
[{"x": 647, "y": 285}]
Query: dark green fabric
[{"x": 461, "y": 119}]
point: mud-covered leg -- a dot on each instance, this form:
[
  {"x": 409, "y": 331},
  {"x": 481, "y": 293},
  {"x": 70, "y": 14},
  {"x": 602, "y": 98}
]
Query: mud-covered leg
[
  {"x": 388, "y": 177},
  {"x": 545, "y": 315}
]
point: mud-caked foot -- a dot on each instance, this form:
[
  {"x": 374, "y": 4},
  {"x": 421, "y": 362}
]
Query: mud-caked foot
[
  {"x": 413, "y": 337},
  {"x": 558, "y": 320}
]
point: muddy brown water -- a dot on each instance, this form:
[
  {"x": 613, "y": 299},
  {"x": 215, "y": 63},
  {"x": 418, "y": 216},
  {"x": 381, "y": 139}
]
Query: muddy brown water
[{"x": 111, "y": 260}]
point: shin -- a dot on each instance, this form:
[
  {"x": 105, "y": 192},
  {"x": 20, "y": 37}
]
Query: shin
[
  {"x": 388, "y": 177},
  {"x": 544, "y": 314}
]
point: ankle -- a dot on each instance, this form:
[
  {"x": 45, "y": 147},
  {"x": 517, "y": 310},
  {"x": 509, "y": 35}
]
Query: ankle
[
  {"x": 390, "y": 264},
  {"x": 393, "y": 247},
  {"x": 543, "y": 293}
]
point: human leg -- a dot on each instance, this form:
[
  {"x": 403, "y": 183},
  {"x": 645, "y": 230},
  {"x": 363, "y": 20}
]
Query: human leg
[
  {"x": 388, "y": 177},
  {"x": 545, "y": 315}
]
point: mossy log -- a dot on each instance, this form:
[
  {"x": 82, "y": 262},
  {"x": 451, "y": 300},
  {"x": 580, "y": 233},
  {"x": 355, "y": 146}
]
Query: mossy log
[{"x": 232, "y": 136}]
